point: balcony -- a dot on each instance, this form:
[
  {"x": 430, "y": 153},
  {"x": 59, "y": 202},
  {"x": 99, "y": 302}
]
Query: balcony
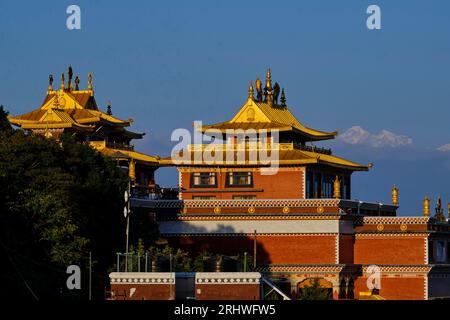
[{"x": 112, "y": 145}]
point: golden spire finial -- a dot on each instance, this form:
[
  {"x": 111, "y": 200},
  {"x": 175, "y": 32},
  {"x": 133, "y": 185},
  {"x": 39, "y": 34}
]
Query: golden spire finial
[
  {"x": 77, "y": 83},
  {"x": 394, "y": 195},
  {"x": 426, "y": 206},
  {"x": 132, "y": 171},
  {"x": 258, "y": 88},
  {"x": 268, "y": 89},
  {"x": 108, "y": 110},
  {"x": 50, "y": 82},
  {"x": 250, "y": 90},
  {"x": 283, "y": 98},
  {"x": 62, "y": 81},
  {"x": 268, "y": 80},
  {"x": 448, "y": 209},
  {"x": 337, "y": 188},
  {"x": 90, "y": 81},
  {"x": 70, "y": 74}
]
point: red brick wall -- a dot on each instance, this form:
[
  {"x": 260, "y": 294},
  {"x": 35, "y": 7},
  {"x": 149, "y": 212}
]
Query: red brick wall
[
  {"x": 291, "y": 188},
  {"x": 389, "y": 250},
  {"x": 143, "y": 291},
  {"x": 346, "y": 249},
  {"x": 397, "y": 288},
  {"x": 275, "y": 249},
  {"x": 227, "y": 291}
]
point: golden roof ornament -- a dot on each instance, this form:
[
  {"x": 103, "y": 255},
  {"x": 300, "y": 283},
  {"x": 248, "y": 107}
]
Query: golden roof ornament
[
  {"x": 448, "y": 210},
  {"x": 426, "y": 206},
  {"x": 337, "y": 188},
  {"x": 283, "y": 98},
  {"x": 250, "y": 91},
  {"x": 268, "y": 91},
  {"x": 439, "y": 211},
  {"x": 90, "y": 81},
  {"x": 62, "y": 82},
  {"x": 259, "y": 92},
  {"x": 108, "y": 110},
  {"x": 132, "y": 171},
  {"x": 276, "y": 93},
  {"x": 70, "y": 74},
  {"x": 77, "y": 83},
  {"x": 50, "y": 82},
  {"x": 394, "y": 195}
]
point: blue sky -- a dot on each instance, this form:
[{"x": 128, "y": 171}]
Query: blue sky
[{"x": 168, "y": 63}]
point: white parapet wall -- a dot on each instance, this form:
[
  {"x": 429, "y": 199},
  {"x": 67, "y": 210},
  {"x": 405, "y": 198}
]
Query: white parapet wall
[
  {"x": 227, "y": 278},
  {"x": 142, "y": 277}
]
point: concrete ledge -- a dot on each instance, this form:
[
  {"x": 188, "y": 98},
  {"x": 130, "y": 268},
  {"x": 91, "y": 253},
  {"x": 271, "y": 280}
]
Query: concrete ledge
[{"x": 227, "y": 278}]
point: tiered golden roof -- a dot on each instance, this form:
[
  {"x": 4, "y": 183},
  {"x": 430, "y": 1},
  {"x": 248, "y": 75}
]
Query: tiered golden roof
[
  {"x": 266, "y": 114},
  {"x": 70, "y": 109}
]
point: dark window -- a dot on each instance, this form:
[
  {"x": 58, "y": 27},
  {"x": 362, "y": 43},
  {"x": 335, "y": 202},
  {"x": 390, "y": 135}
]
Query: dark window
[
  {"x": 239, "y": 179},
  {"x": 327, "y": 187},
  {"x": 430, "y": 251},
  {"x": 309, "y": 185},
  {"x": 203, "y": 180}
]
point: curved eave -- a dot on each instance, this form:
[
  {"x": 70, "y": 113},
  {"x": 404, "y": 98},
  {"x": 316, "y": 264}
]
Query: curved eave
[
  {"x": 111, "y": 119},
  {"x": 58, "y": 125},
  {"x": 139, "y": 157},
  {"x": 315, "y": 135}
]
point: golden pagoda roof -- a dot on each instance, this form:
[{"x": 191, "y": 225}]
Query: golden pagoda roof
[
  {"x": 285, "y": 157},
  {"x": 70, "y": 107},
  {"x": 267, "y": 115},
  {"x": 269, "y": 118}
]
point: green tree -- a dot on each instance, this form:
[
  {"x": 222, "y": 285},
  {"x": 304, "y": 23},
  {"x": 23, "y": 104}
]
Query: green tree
[
  {"x": 58, "y": 202},
  {"x": 315, "y": 292}
]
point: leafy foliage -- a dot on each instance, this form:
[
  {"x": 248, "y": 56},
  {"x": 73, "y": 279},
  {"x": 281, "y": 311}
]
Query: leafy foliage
[
  {"x": 58, "y": 202},
  {"x": 315, "y": 292}
]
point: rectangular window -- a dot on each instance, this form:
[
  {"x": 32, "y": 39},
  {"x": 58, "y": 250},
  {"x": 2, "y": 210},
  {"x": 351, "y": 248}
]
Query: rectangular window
[
  {"x": 239, "y": 179},
  {"x": 430, "y": 251},
  {"x": 244, "y": 197},
  {"x": 203, "y": 198},
  {"x": 203, "y": 180}
]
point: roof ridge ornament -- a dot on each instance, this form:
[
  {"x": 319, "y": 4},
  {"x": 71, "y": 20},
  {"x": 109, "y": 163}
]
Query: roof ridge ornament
[
  {"x": 90, "y": 81},
  {"x": 62, "y": 82},
  {"x": 259, "y": 93},
  {"x": 276, "y": 93},
  {"x": 283, "y": 98},
  {"x": 250, "y": 91},
  {"x": 77, "y": 83},
  {"x": 70, "y": 74},
  {"x": 50, "y": 83},
  {"x": 108, "y": 111},
  {"x": 268, "y": 91}
]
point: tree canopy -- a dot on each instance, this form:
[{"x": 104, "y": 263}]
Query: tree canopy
[{"x": 59, "y": 200}]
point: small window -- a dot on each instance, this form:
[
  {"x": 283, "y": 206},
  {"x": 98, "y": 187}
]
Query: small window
[
  {"x": 203, "y": 198},
  {"x": 203, "y": 180},
  {"x": 246, "y": 197},
  {"x": 239, "y": 179}
]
